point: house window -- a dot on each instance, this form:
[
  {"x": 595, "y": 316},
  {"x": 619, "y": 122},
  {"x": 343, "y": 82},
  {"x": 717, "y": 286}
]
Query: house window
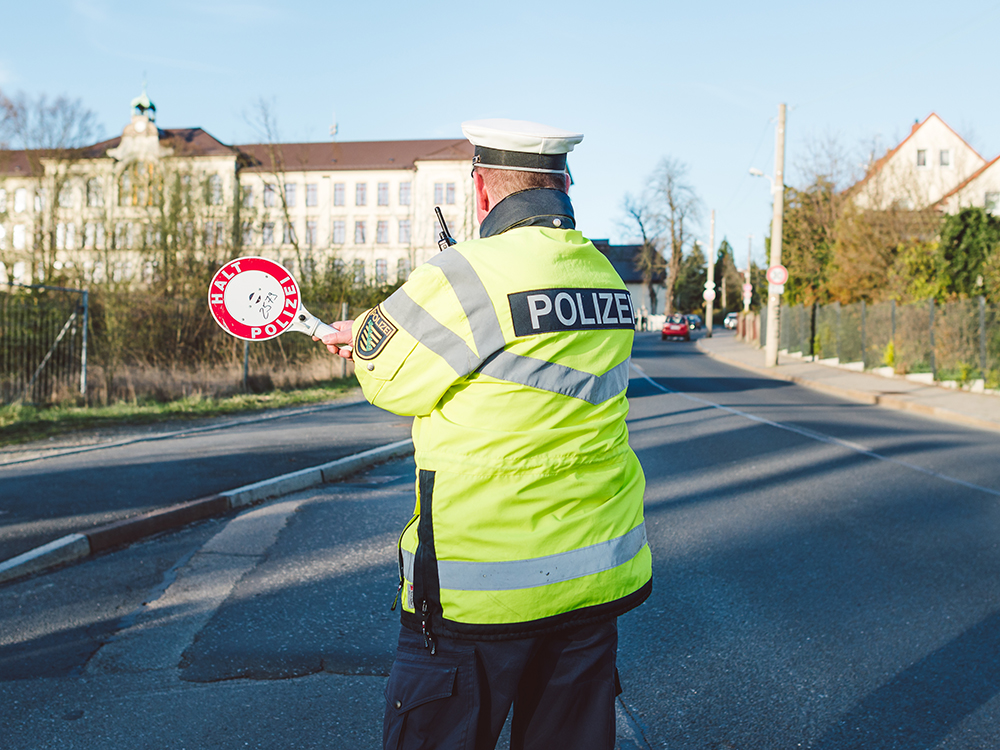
[
  {"x": 921, "y": 157},
  {"x": 269, "y": 199},
  {"x": 404, "y": 193},
  {"x": 361, "y": 194},
  {"x": 359, "y": 271},
  {"x": 402, "y": 269},
  {"x": 438, "y": 192},
  {"x": 449, "y": 193},
  {"x": 215, "y": 190},
  {"x": 312, "y": 194},
  {"x": 338, "y": 193},
  {"x": 290, "y": 195},
  {"x": 382, "y": 232},
  {"x": 209, "y": 234},
  {"x": 288, "y": 236},
  {"x": 992, "y": 201},
  {"x": 404, "y": 231},
  {"x": 383, "y": 193},
  {"x": 359, "y": 233},
  {"x": 339, "y": 232},
  {"x": 310, "y": 233},
  {"x": 381, "y": 271},
  {"x": 247, "y": 233},
  {"x": 19, "y": 236},
  {"x": 95, "y": 197},
  {"x": 247, "y": 195},
  {"x": 20, "y": 200},
  {"x": 65, "y": 236},
  {"x": 267, "y": 233},
  {"x": 945, "y": 158}
]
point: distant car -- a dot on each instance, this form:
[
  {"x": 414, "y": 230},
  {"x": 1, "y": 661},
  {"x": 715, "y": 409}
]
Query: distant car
[
  {"x": 676, "y": 327},
  {"x": 730, "y": 320},
  {"x": 694, "y": 321}
]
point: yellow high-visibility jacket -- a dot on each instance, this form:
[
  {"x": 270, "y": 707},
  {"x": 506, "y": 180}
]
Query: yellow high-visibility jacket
[{"x": 512, "y": 353}]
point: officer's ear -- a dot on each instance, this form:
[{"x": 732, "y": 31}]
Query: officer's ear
[{"x": 483, "y": 204}]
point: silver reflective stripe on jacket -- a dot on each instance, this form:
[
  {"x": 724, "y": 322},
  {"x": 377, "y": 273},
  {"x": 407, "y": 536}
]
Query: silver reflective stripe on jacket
[
  {"x": 537, "y": 571},
  {"x": 487, "y": 334}
]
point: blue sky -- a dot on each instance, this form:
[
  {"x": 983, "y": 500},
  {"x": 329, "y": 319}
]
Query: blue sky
[{"x": 697, "y": 82}]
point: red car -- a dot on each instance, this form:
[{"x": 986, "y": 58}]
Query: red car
[{"x": 676, "y": 327}]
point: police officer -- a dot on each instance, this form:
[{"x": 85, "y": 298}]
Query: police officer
[{"x": 527, "y": 540}]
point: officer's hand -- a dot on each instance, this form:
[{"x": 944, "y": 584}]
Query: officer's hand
[{"x": 339, "y": 342}]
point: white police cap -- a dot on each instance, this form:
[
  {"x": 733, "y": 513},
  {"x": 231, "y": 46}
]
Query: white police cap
[{"x": 519, "y": 145}]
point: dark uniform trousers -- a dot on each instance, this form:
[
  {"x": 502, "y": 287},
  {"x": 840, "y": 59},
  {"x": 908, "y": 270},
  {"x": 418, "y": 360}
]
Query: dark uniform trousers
[{"x": 562, "y": 687}]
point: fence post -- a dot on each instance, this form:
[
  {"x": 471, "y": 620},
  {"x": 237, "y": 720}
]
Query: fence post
[
  {"x": 864, "y": 347},
  {"x": 812, "y": 331},
  {"x": 931, "y": 320},
  {"x": 982, "y": 336}
]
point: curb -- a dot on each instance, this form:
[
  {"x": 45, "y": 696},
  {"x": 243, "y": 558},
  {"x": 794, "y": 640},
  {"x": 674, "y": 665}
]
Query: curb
[
  {"x": 74, "y": 547},
  {"x": 865, "y": 397}
]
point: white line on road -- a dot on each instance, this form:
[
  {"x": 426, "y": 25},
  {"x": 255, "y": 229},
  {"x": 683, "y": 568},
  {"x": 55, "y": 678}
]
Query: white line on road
[{"x": 818, "y": 436}]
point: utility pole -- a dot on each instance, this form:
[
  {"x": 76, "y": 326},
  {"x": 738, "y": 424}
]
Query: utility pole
[
  {"x": 773, "y": 290},
  {"x": 710, "y": 284}
]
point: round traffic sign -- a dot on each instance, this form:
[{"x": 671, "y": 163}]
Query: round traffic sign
[
  {"x": 777, "y": 274},
  {"x": 708, "y": 295},
  {"x": 747, "y": 289},
  {"x": 253, "y": 298}
]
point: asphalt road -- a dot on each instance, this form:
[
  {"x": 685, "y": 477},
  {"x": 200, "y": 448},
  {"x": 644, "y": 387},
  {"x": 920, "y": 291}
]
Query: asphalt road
[
  {"x": 826, "y": 576},
  {"x": 71, "y": 491}
]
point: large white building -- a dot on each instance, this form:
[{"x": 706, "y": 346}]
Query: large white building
[
  {"x": 926, "y": 165},
  {"x": 102, "y": 209}
]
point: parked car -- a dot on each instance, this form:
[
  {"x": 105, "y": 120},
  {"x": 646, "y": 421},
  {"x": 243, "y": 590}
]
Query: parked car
[
  {"x": 676, "y": 327},
  {"x": 694, "y": 321},
  {"x": 730, "y": 320}
]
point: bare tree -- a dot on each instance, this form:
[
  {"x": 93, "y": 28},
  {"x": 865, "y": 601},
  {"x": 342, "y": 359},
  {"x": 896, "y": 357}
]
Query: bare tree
[
  {"x": 679, "y": 209},
  {"x": 640, "y": 216}
]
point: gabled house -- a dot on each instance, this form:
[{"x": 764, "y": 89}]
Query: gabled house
[
  {"x": 981, "y": 189},
  {"x": 625, "y": 259},
  {"x": 927, "y": 165}
]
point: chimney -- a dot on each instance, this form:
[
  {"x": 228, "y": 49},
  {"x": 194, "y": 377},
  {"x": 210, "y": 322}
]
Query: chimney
[{"x": 916, "y": 124}]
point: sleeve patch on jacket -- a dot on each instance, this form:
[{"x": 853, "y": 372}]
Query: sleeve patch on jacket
[
  {"x": 376, "y": 330},
  {"x": 549, "y": 310}
]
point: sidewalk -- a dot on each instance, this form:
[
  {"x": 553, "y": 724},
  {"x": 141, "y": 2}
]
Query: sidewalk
[{"x": 959, "y": 407}]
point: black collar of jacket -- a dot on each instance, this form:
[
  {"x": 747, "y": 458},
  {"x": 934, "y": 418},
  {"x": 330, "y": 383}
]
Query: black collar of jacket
[{"x": 538, "y": 207}]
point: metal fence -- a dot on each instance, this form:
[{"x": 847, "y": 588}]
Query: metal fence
[
  {"x": 43, "y": 344},
  {"x": 957, "y": 340}
]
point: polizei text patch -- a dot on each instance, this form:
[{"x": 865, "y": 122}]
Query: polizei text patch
[{"x": 548, "y": 310}]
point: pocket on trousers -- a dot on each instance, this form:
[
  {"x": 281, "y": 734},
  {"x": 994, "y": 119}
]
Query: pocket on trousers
[{"x": 426, "y": 705}]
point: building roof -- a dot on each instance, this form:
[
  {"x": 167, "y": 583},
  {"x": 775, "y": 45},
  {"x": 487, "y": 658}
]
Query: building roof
[
  {"x": 880, "y": 163},
  {"x": 304, "y": 157},
  {"x": 623, "y": 258}
]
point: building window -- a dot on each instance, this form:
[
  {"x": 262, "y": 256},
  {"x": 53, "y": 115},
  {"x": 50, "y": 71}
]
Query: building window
[
  {"x": 65, "y": 236},
  {"x": 449, "y": 193},
  {"x": 209, "y": 234},
  {"x": 382, "y": 232},
  {"x": 359, "y": 233},
  {"x": 247, "y": 233},
  {"x": 95, "y": 196},
  {"x": 19, "y": 236},
  {"x": 383, "y": 193},
  {"x": 402, "y": 269},
  {"x": 438, "y": 193},
  {"x": 267, "y": 233},
  {"x": 20, "y": 200},
  {"x": 361, "y": 194},
  {"x": 945, "y": 158},
  {"x": 290, "y": 197},
  {"x": 992, "y": 201},
  {"x": 312, "y": 194},
  {"x": 921, "y": 157},
  {"x": 215, "y": 190},
  {"x": 269, "y": 199},
  {"x": 66, "y": 196},
  {"x": 359, "y": 271},
  {"x": 338, "y": 193},
  {"x": 381, "y": 271},
  {"x": 247, "y": 191},
  {"x": 404, "y": 231},
  {"x": 339, "y": 232},
  {"x": 310, "y": 233},
  {"x": 404, "y": 193},
  {"x": 288, "y": 236}
]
